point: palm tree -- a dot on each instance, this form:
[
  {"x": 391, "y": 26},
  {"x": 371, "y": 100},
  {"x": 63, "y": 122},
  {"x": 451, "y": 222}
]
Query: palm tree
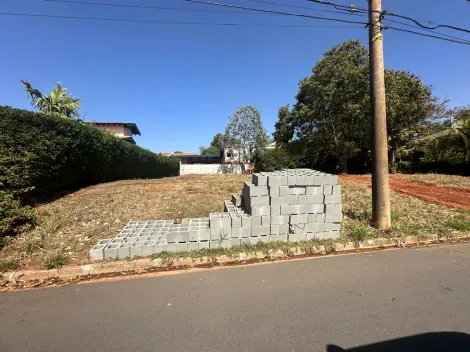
[{"x": 58, "y": 103}]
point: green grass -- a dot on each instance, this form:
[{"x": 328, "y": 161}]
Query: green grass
[
  {"x": 55, "y": 260},
  {"x": 458, "y": 224},
  {"x": 8, "y": 264}
]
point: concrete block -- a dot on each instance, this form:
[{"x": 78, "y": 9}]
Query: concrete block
[
  {"x": 320, "y": 218},
  {"x": 275, "y": 210},
  {"x": 293, "y": 237},
  {"x": 178, "y": 236},
  {"x": 314, "y": 208},
  {"x": 246, "y": 220},
  {"x": 252, "y": 240},
  {"x": 266, "y": 220},
  {"x": 193, "y": 246},
  {"x": 218, "y": 234},
  {"x": 116, "y": 240},
  {"x": 123, "y": 234},
  {"x": 110, "y": 251},
  {"x": 234, "y": 242},
  {"x": 298, "y": 219},
  {"x": 160, "y": 247},
  {"x": 330, "y": 179},
  {"x": 237, "y": 200},
  {"x": 298, "y": 209},
  {"x": 220, "y": 221},
  {"x": 283, "y": 229},
  {"x": 298, "y": 228},
  {"x": 337, "y": 218},
  {"x": 301, "y": 180},
  {"x": 255, "y": 221},
  {"x": 291, "y": 180},
  {"x": 334, "y": 227},
  {"x": 321, "y": 226},
  {"x": 260, "y": 210},
  {"x": 250, "y": 190},
  {"x": 260, "y": 231},
  {"x": 202, "y": 233},
  {"x": 277, "y": 180},
  {"x": 312, "y": 227},
  {"x": 333, "y": 208},
  {"x": 259, "y": 201},
  {"x": 236, "y": 221},
  {"x": 280, "y": 219},
  {"x": 246, "y": 231},
  {"x": 274, "y": 191},
  {"x": 309, "y": 236},
  {"x": 314, "y": 190},
  {"x": 283, "y": 191},
  {"x": 302, "y": 199},
  {"x": 96, "y": 252},
  {"x": 123, "y": 251},
  {"x": 264, "y": 239},
  {"x": 336, "y": 190},
  {"x": 237, "y": 232},
  {"x": 148, "y": 248},
  {"x": 204, "y": 244},
  {"x": 105, "y": 241},
  {"x": 297, "y": 190},
  {"x": 315, "y": 199},
  {"x": 317, "y": 181},
  {"x": 274, "y": 230},
  {"x": 281, "y": 200},
  {"x": 286, "y": 209},
  {"x": 259, "y": 180},
  {"x": 293, "y": 199},
  {"x": 328, "y": 189},
  {"x": 136, "y": 249},
  {"x": 279, "y": 238}
]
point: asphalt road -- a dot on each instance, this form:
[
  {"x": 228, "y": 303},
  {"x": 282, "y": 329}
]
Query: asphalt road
[{"x": 347, "y": 301}]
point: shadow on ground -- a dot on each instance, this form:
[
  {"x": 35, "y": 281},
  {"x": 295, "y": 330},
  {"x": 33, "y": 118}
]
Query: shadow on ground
[{"x": 431, "y": 342}]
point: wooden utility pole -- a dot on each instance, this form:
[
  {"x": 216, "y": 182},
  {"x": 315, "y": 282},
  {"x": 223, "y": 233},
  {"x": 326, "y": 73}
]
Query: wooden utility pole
[{"x": 380, "y": 183}]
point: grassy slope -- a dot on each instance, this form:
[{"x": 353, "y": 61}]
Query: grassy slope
[{"x": 77, "y": 221}]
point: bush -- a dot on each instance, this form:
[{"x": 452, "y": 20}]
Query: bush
[
  {"x": 14, "y": 217},
  {"x": 437, "y": 167},
  {"x": 41, "y": 155},
  {"x": 277, "y": 159}
]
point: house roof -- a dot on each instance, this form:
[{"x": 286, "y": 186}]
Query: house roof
[
  {"x": 180, "y": 154},
  {"x": 131, "y": 125}
]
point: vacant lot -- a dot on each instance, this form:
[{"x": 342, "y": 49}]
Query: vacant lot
[{"x": 75, "y": 222}]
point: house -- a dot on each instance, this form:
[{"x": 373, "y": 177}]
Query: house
[{"x": 122, "y": 130}]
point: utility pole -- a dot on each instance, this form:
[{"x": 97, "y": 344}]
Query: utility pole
[{"x": 380, "y": 183}]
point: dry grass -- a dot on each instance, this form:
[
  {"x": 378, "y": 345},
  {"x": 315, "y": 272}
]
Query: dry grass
[
  {"x": 443, "y": 180},
  {"x": 71, "y": 225}
]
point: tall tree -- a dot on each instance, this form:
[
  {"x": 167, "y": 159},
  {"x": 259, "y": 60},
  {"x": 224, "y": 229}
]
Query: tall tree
[
  {"x": 57, "y": 103},
  {"x": 245, "y": 135},
  {"x": 283, "y": 133}
]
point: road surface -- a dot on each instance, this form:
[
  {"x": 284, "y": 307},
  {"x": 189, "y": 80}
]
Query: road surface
[{"x": 306, "y": 305}]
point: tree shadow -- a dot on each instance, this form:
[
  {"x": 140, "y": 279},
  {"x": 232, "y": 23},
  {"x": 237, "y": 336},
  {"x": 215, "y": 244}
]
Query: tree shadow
[{"x": 430, "y": 342}]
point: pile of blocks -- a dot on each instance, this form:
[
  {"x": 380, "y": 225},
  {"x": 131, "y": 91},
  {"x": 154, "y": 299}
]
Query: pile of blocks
[{"x": 288, "y": 205}]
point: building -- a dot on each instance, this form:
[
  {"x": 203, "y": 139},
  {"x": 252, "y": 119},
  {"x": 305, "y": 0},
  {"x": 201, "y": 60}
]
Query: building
[{"x": 122, "y": 130}]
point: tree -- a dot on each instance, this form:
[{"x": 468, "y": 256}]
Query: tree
[
  {"x": 245, "y": 135},
  {"x": 218, "y": 141},
  {"x": 209, "y": 150},
  {"x": 177, "y": 152},
  {"x": 58, "y": 103},
  {"x": 283, "y": 133},
  {"x": 332, "y": 104}
]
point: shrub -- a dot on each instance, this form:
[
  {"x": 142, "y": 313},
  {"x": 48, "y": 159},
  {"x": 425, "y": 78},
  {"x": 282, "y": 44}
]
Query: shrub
[
  {"x": 42, "y": 154},
  {"x": 437, "y": 167},
  {"x": 55, "y": 260},
  {"x": 14, "y": 217},
  {"x": 277, "y": 159}
]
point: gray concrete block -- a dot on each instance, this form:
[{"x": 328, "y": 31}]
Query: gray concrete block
[
  {"x": 264, "y": 239},
  {"x": 298, "y": 219},
  {"x": 321, "y": 226},
  {"x": 274, "y": 230},
  {"x": 116, "y": 240},
  {"x": 299, "y": 209},
  {"x": 274, "y": 191},
  {"x": 283, "y": 191},
  {"x": 293, "y": 237},
  {"x": 250, "y": 190},
  {"x": 281, "y": 200},
  {"x": 234, "y": 242},
  {"x": 309, "y": 236},
  {"x": 286, "y": 209},
  {"x": 136, "y": 249},
  {"x": 312, "y": 227},
  {"x": 202, "y": 233},
  {"x": 246, "y": 231},
  {"x": 251, "y": 240},
  {"x": 266, "y": 220},
  {"x": 293, "y": 199},
  {"x": 336, "y": 190},
  {"x": 275, "y": 210},
  {"x": 178, "y": 236},
  {"x": 123, "y": 234},
  {"x": 283, "y": 229},
  {"x": 317, "y": 181},
  {"x": 237, "y": 232},
  {"x": 298, "y": 228},
  {"x": 96, "y": 252},
  {"x": 204, "y": 244},
  {"x": 302, "y": 199},
  {"x": 148, "y": 248},
  {"x": 123, "y": 251},
  {"x": 279, "y": 238},
  {"x": 311, "y": 218},
  {"x": 160, "y": 247},
  {"x": 315, "y": 199},
  {"x": 218, "y": 234},
  {"x": 110, "y": 251},
  {"x": 260, "y": 231},
  {"x": 255, "y": 221},
  {"x": 260, "y": 210},
  {"x": 237, "y": 200},
  {"x": 193, "y": 246},
  {"x": 297, "y": 190},
  {"x": 320, "y": 218},
  {"x": 259, "y": 180},
  {"x": 277, "y": 180},
  {"x": 333, "y": 208},
  {"x": 259, "y": 201},
  {"x": 337, "y": 218},
  {"x": 334, "y": 226},
  {"x": 314, "y": 208},
  {"x": 314, "y": 190},
  {"x": 220, "y": 221},
  {"x": 291, "y": 180},
  {"x": 236, "y": 221},
  {"x": 246, "y": 220},
  {"x": 105, "y": 241},
  {"x": 280, "y": 219},
  {"x": 328, "y": 189}
]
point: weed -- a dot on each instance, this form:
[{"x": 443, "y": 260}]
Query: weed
[
  {"x": 31, "y": 245},
  {"x": 55, "y": 260},
  {"x": 457, "y": 224},
  {"x": 358, "y": 233},
  {"x": 8, "y": 264}
]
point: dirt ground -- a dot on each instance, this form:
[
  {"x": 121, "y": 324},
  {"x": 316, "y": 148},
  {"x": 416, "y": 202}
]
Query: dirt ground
[{"x": 454, "y": 197}]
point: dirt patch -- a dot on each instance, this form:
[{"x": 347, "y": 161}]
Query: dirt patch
[{"x": 454, "y": 197}]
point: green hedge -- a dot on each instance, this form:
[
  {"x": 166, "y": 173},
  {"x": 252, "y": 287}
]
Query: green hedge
[
  {"x": 277, "y": 159},
  {"x": 438, "y": 167},
  {"x": 41, "y": 155}
]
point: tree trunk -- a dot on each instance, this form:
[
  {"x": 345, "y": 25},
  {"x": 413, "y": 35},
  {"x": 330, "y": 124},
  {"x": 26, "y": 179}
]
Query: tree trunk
[
  {"x": 343, "y": 164},
  {"x": 392, "y": 165}
]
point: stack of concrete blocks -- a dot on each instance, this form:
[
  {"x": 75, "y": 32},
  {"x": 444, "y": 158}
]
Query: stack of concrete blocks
[
  {"x": 294, "y": 205},
  {"x": 288, "y": 205}
]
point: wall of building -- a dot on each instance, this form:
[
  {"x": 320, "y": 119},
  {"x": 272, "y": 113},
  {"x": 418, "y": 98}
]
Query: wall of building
[
  {"x": 212, "y": 169},
  {"x": 119, "y": 131}
]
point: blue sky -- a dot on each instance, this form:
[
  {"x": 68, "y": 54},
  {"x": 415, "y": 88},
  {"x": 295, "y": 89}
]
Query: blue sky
[{"x": 180, "y": 83}]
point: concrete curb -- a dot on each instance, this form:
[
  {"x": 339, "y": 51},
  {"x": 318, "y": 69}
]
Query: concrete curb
[{"x": 144, "y": 265}]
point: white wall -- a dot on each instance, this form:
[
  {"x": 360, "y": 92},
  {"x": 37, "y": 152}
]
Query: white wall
[{"x": 212, "y": 169}]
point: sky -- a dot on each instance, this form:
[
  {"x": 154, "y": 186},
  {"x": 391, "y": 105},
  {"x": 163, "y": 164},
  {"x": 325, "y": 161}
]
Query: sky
[{"x": 181, "y": 82}]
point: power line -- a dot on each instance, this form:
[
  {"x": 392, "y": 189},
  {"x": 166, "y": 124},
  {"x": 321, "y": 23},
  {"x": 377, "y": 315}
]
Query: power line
[
  {"x": 152, "y": 7},
  {"x": 277, "y": 12},
  {"x": 168, "y": 22},
  {"x": 427, "y": 35},
  {"x": 386, "y": 13},
  {"x": 342, "y": 12}
]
